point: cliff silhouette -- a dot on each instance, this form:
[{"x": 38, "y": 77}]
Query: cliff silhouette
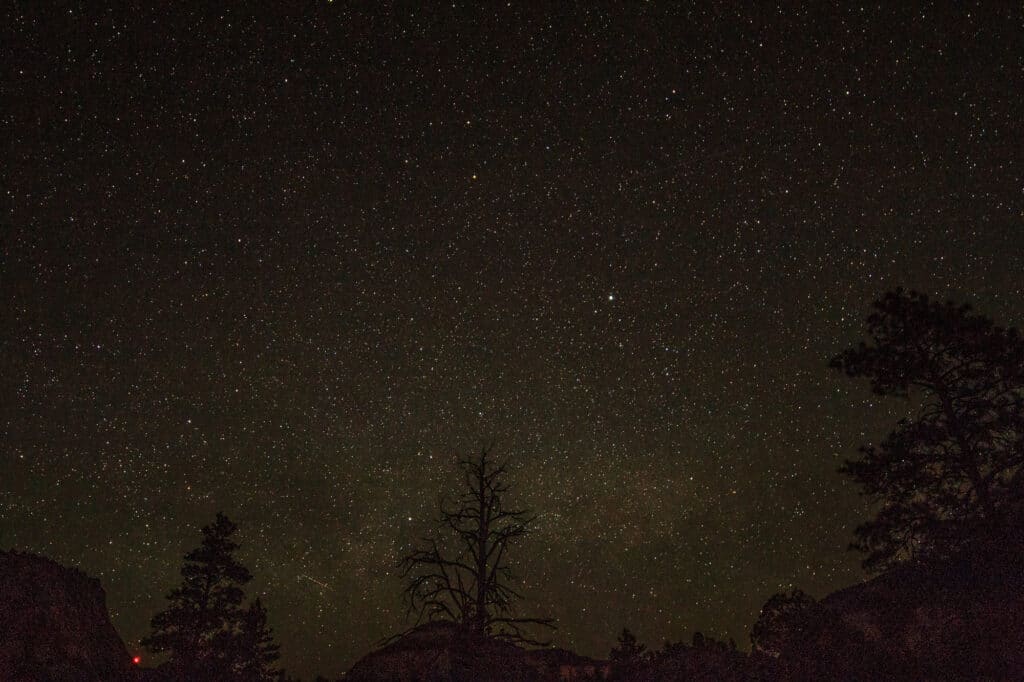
[{"x": 54, "y": 624}]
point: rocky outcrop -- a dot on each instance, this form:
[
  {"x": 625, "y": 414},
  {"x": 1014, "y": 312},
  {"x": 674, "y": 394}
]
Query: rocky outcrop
[
  {"x": 940, "y": 622},
  {"x": 444, "y": 652},
  {"x": 54, "y": 625},
  {"x": 562, "y": 664}
]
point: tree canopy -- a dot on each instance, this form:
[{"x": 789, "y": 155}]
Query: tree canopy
[
  {"x": 953, "y": 472},
  {"x": 804, "y": 639}
]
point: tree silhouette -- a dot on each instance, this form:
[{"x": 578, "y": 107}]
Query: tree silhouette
[
  {"x": 200, "y": 627},
  {"x": 463, "y": 575},
  {"x": 806, "y": 640},
  {"x": 628, "y": 651},
  {"x": 628, "y": 658},
  {"x": 953, "y": 472},
  {"x": 786, "y": 621},
  {"x": 255, "y": 649}
]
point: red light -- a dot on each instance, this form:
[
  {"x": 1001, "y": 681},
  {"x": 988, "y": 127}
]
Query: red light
[{"x": 136, "y": 660}]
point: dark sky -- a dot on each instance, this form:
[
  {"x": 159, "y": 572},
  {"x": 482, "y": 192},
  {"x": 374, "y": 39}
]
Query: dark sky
[{"x": 286, "y": 263}]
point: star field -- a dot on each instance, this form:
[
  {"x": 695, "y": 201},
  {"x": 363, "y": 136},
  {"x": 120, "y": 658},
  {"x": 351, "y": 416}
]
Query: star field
[{"x": 289, "y": 263}]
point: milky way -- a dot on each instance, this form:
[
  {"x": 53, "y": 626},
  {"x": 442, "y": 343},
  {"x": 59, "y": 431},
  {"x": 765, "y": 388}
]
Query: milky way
[{"x": 288, "y": 265}]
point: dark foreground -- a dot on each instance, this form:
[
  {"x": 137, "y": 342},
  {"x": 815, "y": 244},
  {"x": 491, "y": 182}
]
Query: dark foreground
[{"x": 956, "y": 621}]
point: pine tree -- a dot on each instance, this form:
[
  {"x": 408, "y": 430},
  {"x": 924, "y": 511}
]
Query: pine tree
[
  {"x": 628, "y": 650},
  {"x": 787, "y": 620},
  {"x": 804, "y": 639},
  {"x": 629, "y": 659},
  {"x": 204, "y": 617},
  {"x": 955, "y": 472},
  {"x": 256, "y": 650}
]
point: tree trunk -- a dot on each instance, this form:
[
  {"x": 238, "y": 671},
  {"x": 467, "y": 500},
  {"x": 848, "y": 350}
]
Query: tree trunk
[{"x": 483, "y": 532}]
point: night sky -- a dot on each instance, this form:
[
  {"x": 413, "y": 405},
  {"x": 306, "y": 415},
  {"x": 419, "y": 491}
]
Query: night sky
[{"x": 288, "y": 263}]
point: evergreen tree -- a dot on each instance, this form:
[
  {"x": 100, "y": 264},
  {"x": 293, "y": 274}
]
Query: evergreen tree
[
  {"x": 256, "y": 650},
  {"x": 954, "y": 472},
  {"x": 628, "y": 660},
  {"x": 803, "y": 639},
  {"x": 628, "y": 650},
  {"x": 787, "y": 621},
  {"x": 200, "y": 626}
]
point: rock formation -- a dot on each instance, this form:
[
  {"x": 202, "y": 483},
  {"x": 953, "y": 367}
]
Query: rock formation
[
  {"x": 54, "y": 625},
  {"x": 947, "y": 621},
  {"x": 444, "y": 652}
]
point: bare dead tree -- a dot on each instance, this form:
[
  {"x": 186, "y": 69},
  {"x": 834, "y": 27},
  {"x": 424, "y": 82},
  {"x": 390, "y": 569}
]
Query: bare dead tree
[{"x": 463, "y": 576}]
